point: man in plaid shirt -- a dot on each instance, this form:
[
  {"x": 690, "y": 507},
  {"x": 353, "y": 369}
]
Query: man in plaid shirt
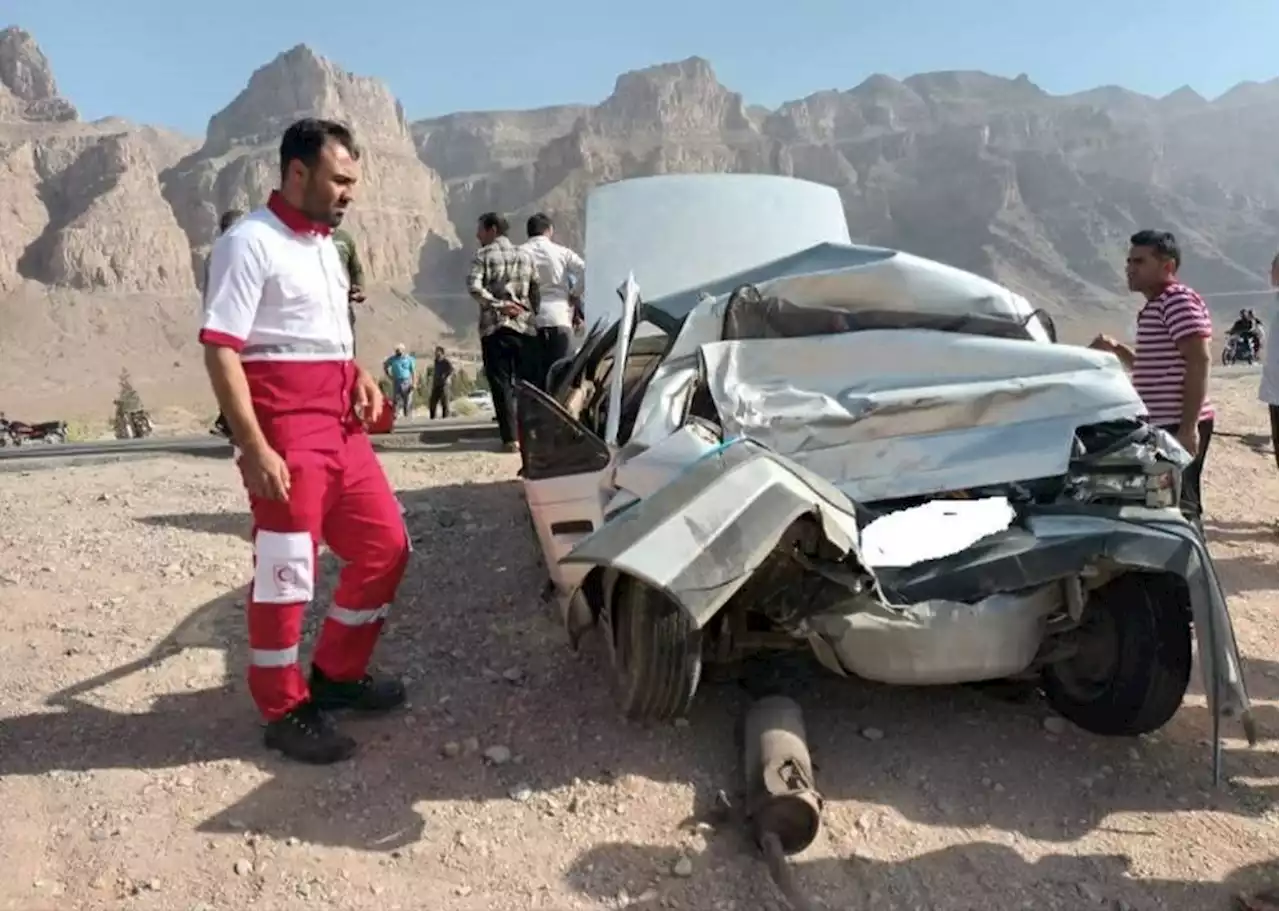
[{"x": 503, "y": 280}]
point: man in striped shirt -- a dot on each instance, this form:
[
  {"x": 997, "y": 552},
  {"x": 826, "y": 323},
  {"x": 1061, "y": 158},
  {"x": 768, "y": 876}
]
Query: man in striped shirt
[{"x": 1170, "y": 358}]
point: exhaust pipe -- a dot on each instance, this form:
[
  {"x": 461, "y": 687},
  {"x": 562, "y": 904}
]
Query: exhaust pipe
[{"x": 784, "y": 808}]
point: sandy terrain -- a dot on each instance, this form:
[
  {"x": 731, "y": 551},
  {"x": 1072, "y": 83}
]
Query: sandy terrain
[{"x": 132, "y": 773}]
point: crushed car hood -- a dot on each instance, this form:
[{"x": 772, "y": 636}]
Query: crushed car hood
[
  {"x": 924, "y": 312},
  {"x": 885, "y": 414}
]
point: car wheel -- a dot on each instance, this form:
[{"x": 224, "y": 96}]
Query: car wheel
[
  {"x": 656, "y": 654},
  {"x": 1133, "y": 663}
]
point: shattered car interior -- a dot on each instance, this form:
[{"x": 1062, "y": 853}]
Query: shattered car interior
[{"x": 883, "y": 460}]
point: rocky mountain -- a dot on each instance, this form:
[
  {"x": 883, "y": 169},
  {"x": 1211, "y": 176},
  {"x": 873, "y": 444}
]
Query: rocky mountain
[
  {"x": 986, "y": 173},
  {"x": 104, "y": 226},
  {"x": 401, "y": 202}
]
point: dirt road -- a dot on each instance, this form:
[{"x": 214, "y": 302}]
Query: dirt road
[{"x": 132, "y": 773}]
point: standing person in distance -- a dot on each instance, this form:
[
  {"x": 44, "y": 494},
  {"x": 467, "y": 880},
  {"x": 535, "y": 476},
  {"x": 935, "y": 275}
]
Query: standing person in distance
[
  {"x": 1170, "y": 359},
  {"x": 225, "y": 221},
  {"x": 1269, "y": 387},
  {"x": 346, "y": 245},
  {"x": 441, "y": 373},
  {"x": 561, "y": 276},
  {"x": 279, "y": 351},
  {"x": 402, "y": 369},
  {"x": 503, "y": 281}
]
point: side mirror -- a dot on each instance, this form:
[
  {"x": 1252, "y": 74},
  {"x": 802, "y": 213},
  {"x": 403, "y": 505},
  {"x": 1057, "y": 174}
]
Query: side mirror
[{"x": 1041, "y": 316}]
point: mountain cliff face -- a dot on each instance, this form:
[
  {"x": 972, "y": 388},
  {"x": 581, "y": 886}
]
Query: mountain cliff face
[
  {"x": 400, "y": 201},
  {"x": 104, "y": 226},
  {"x": 990, "y": 174},
  {"x": 80, "y": 204}
]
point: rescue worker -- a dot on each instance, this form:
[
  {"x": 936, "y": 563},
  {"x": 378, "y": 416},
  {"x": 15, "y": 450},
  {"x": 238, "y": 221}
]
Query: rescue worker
[{"x": 278, "y": 348}]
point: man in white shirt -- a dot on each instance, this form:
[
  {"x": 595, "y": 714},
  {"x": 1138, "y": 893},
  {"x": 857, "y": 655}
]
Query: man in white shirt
[
  {"x": 279, "y": 351},
  {"x": 560, "y": 278}
]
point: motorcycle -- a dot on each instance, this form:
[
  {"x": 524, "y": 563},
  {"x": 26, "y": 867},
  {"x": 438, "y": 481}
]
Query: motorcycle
[
  {"x": 1238, "y": 350},
  {"x": 18, "y": 433},
  {"x": 133, "y": 425}
]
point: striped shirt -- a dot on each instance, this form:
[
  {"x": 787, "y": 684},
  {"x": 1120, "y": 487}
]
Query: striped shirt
[{"x": 1159, "y": 369}]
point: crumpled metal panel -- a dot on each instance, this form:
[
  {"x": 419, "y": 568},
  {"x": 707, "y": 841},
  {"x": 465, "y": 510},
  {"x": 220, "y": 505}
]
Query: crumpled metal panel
[
  {"x": 831, "y": 275},
  {"x": 1163, "y": 540},
  {"x": 700, "y": 537},
  {"x": 852, "y": 277},
  {"x": 941, "y": 642},
  {"x": 895, "y": 413}
]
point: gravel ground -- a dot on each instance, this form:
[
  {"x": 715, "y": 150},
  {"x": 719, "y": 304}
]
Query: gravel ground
[{"x": 132, "y": 772}]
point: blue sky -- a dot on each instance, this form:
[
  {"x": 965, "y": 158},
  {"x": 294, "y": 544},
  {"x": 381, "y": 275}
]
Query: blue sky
[{"x": 174, "y": 64}]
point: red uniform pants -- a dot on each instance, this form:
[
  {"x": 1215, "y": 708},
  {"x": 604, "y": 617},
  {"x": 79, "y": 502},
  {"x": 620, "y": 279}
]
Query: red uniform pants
[{"x": 343, "y": 499}]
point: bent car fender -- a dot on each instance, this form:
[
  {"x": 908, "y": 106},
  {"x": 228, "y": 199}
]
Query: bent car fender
[
  {"x": 1162, "y": 540},
  {"x": 702, "y": 535}
]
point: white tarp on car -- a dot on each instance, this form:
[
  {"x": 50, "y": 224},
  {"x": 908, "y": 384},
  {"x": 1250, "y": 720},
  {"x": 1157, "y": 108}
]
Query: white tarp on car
[{"x": 680, "y": 231}]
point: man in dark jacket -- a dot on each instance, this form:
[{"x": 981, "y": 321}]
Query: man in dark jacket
[{"x": 441, "y": 373}]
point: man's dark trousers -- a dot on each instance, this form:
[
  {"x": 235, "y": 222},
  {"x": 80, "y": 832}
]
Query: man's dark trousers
[
  {"x": 1192, "y": 504},
  {"x": 505, "y": 354},
  {"x": 553, "y": 345},
  {"x": 438, "y": 400}
]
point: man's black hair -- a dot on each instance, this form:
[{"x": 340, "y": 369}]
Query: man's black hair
[
  {"x": 492, "y": 221},
  {"x": 538, "y": 224},
  {"x": 229, "y": 218},
  {"x": 1163, "y": 243},
  {"x": 306, "y": 138}
]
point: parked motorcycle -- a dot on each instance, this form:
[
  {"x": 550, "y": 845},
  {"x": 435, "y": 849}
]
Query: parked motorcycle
[
  {"x": 1238, "y": 350},
  {"x": 18, "y": 433},
  {"x": 133, "y": 425}
]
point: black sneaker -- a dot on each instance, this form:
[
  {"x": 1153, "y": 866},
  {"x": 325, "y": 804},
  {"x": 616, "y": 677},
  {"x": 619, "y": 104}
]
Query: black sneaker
[
  {"x": 368, "y": 694},
  {"x": 308, "y": 735}
]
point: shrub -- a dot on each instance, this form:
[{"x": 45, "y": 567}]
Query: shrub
[{"x": 127, "y": 398}]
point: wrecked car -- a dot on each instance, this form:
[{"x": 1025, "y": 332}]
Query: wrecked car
[{"x": 863, "y": 453}]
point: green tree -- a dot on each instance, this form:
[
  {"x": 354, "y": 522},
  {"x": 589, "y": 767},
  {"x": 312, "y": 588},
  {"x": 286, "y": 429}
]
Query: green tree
[{"x": 127, "y": 399}]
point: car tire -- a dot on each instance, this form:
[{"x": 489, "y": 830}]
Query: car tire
[
  {"x": 1132, "y": 677},
  {"x": 655, "y": 654}
]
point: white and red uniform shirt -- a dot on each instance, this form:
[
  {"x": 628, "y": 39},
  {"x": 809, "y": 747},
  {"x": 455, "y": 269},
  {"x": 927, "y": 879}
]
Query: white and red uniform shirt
[{"x": 277, "y": 294}]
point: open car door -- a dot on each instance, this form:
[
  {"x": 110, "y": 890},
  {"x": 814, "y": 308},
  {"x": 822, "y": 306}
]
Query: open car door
[{"x": 567, "y": 466}]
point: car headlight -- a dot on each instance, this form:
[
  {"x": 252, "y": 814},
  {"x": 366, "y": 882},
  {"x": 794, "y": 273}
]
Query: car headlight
[{"x": 1158, "y": 490}]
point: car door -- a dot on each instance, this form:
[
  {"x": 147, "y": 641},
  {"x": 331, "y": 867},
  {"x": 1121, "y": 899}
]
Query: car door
[{"x": 567, "y": 466}]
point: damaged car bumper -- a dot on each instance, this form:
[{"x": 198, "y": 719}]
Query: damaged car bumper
[{"x": 979, "y": 613}]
